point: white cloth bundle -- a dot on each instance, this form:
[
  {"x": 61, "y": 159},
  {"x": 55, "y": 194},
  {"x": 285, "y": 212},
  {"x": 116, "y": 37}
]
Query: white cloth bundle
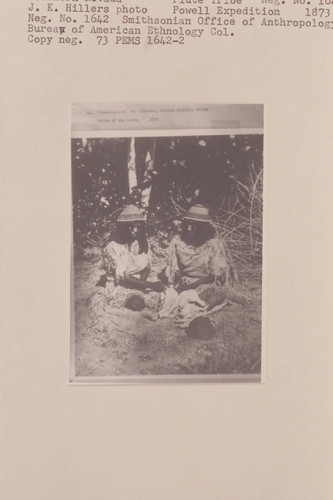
[{"x": 184, "y": 306}]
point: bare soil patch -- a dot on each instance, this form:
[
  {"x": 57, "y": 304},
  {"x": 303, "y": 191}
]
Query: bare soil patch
[{"x": 145, "y": 347}]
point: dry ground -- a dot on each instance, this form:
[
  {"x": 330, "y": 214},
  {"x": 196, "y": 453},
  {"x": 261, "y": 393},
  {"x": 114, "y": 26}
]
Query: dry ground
[{"x": 145, "y": 347}]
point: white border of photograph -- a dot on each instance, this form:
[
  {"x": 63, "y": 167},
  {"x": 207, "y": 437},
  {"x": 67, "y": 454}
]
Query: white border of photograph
[{"x": 115, "y": 132}]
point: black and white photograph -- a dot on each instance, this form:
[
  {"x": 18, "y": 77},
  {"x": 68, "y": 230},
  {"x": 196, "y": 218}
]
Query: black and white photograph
[{"x": 167, "y": 258}]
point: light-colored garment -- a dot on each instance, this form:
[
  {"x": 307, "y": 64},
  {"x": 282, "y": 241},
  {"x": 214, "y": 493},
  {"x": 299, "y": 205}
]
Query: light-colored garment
[
  {"x": 185, "y": 265},
  {"x": 172, "y": 303},
  {"x": 123, "y": 260},
  {"x": 120, "y": 261},
  {"x": 185, "y": 306},
  {"x": 189, "y": 263}
]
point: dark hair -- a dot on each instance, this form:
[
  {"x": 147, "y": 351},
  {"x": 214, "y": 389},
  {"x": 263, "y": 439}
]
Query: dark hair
[
  {"x": 206, "y": 230},
  {"x": 121, "y": 235}
]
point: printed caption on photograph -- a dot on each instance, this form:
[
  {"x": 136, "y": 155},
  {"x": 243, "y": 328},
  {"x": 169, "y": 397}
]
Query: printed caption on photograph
[{"x": 176, "y": 22}]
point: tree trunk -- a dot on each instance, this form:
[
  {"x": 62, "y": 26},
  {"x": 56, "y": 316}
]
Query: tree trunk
[{"x": 140, "y": 168}]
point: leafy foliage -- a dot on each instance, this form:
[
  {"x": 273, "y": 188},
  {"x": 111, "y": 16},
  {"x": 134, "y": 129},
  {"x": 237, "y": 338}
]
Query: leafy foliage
[{"x": 221, "y": 172}]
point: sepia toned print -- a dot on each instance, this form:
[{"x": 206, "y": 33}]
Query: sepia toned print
[{"x": 167, "y": 256}]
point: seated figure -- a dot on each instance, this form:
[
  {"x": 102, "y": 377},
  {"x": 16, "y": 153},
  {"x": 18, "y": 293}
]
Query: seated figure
[
  {"x": 126, "y": 259},
  {"x": 198, "y": 260}
]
